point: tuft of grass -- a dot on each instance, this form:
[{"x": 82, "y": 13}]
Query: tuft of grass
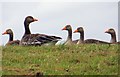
[{"x": 84, "y": 59}]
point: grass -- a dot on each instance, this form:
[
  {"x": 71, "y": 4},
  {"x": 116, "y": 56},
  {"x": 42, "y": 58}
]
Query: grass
[{"x": 88, "y": 59}]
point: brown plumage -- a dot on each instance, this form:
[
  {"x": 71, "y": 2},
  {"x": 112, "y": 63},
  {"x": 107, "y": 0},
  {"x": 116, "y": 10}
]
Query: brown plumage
[
  {"x": 112, "y": 32},
  {"x": 81, "y": 40},
  {"x": 69, "y": 38},
  {"x": 36, "y": 39},
  {"x": 11, "y": 41}
]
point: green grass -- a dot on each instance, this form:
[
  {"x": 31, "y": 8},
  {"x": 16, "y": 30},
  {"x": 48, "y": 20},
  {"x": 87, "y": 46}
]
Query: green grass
[{"x": 89, "y": 59}]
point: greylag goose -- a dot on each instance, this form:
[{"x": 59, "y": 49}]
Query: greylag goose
[
  {"x": 69, "y": 38},
  {"x": 81, "y": 40},
  {"x": 11, "y": 41},
  {"x": 112, "y": 32},
  {"x": 36, "y": 39}
]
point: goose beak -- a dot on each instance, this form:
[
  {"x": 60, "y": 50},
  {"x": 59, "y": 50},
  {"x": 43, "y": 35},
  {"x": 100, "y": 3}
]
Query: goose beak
[
  {"x": 75, "y": 31},
  {"x": 35, "y": 19},
  {"x": 4, "y": 33},
  {"x": 64, "y": 28},
  {"x": 106, "y": 31}
]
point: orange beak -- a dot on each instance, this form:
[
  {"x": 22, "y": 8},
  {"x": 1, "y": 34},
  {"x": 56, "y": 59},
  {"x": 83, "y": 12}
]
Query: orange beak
[
  {"x": 64, "y": 28},
  {"x": 75, "y": 31},
  {"x": 35, "y": 19},
  {"x": 4, "y": 33},
  {"x": 106, "y": 31}
]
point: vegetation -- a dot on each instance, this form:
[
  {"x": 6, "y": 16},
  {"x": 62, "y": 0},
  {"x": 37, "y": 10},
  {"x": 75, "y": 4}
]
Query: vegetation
[{"x": 87, "y": 59}]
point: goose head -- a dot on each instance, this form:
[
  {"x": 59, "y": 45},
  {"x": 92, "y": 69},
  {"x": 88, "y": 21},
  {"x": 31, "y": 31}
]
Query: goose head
[
  {"x": 67, "y": 27},
  {"x": 110, "y": 31},
  {"x": 30, "y": 19},
  {"x": 8, "y": 31},
  {"x": 79, "y": 30}
]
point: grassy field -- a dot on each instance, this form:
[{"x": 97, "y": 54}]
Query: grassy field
[{"x": 90, "y": 59}]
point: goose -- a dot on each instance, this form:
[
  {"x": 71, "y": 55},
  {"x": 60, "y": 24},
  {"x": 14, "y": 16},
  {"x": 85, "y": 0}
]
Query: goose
[
  {"x": 69, "y": 37},
  {"x": 112, "y": 32},
  {"x": 81, "y": 40},
  {"x": 36, "y": 39},
  {"x": 11, "y": 41}
]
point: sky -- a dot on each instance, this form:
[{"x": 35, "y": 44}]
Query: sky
[
  {"x": 94, "y": 17},
  {"x": 59, "y": 0}
]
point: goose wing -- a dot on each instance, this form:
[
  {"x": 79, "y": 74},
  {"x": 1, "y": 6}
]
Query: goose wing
[
  {"x": 14, "y": 42},
  {"x": 95, "y": 41},
  {"x": 39, "y": 39}
]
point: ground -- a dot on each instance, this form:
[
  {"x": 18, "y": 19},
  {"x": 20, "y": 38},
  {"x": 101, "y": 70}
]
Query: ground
[{"x": 85, "y": 59}]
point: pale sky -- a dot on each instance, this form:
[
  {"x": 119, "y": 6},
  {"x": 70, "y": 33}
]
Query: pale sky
[
  {"x": 94, "y": 17},
  {"x": 59, "y": 0}
]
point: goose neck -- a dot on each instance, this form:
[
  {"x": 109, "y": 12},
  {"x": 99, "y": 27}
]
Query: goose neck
[{"x": 27, "y": 30}]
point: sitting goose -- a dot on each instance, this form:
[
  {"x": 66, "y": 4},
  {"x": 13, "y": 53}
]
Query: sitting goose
[
  {"x": 81, "y": 40},
  {"x": 112, "y": 32},
  {"x": 69, "y": 38},
  {"x": 11, "y": 41},
  {"x": 36, "y": 39}
]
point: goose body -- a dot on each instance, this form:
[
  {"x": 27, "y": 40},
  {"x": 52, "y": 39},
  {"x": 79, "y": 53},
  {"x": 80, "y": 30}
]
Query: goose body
[
  {"x": 36, "y": 39},
  {"x": 95, "y": 41},
  {"x": 39, "y": 39},
  {"x": 11, "y": 41},
  {"x": 112, "y": 32},
  {"x": 87, "y": 41},
  {"x": 69, "y": 37}
]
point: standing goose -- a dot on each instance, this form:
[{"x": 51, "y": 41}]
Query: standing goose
[
  {"x": 112, "y": 32},
  {"x": 36, "y": 39},
  {"x": 69, "y": 38},
  {"x": 81, "y": 40},
  {"x": 11, "y": 41}
]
